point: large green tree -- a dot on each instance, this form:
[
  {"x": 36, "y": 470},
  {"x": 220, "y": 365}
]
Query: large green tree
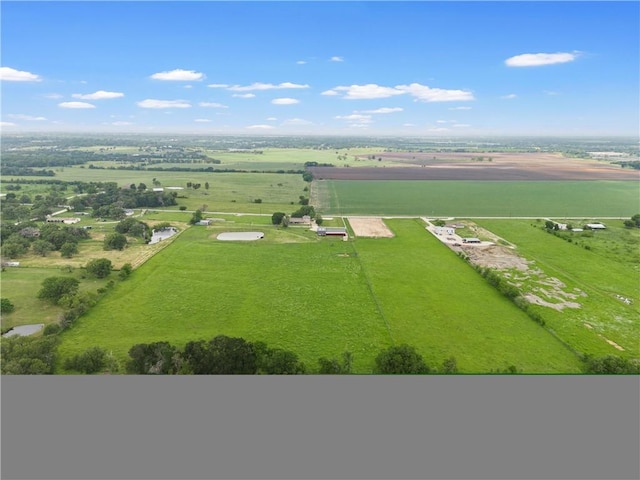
[
  {"x": 152, "y": 358},
  {"x": 54, "y": 288},
  {"x": 400, "y": 359},
  {"x": 221, "y": 356},
  {"x": 99, "y": 267},
  {"x": 115, "y": 241}
]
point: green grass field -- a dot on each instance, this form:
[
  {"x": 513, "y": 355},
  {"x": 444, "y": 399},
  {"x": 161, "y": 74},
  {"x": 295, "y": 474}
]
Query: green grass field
[
  {"x": 320, "y": 297},
  {"x": 469, "y": 199},
  {"x": 599, "y": 272},
  {"x": 22, "y": 284}
]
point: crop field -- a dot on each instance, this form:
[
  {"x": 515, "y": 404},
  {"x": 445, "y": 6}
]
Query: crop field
[
  {"x": 320, "y": 297},
  {"x": 471, "y": 198},
  {"x": 607, "y": 272}
]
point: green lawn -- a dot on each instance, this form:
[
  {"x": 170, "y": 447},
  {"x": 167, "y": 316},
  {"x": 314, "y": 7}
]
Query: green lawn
[
  {"x": 487, "y": 198},
  {"x": 320, "y": 297}
]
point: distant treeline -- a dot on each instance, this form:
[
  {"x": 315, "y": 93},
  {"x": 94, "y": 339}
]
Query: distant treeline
[
  {"x": 186, "y": 169},
  {"x": 635, "y": 164},
  {"x": 26, "y": 171}
]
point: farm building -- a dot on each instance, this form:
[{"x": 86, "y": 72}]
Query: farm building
[
  {"x": 306, "y": 220},
  {"x": 158, "y": 189},
  {"x": 595, "y": 226},
  {"x": 471, "y": 240},
  {"x": 323, "y": 231},
  {"x": 204, "y": 222},
  {"x": 66, "y": 220}
]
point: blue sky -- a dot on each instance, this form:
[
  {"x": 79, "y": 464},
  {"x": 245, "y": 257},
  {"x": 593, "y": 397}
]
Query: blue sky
[{"x": 370, "y": 68}]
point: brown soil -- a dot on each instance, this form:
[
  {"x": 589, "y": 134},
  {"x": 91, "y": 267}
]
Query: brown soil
[
  {"x": 369, "y": 227},
  {"x": 459, "y": 166}
]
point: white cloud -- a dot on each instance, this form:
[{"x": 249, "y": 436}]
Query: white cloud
[
  {"x": 461, "y": 125},
  {"x": 443, "y": 121},
  {"x": 272, "y": 119},
  {"x": 336, "y": 59},
  {"x": 179, "y": 75},
  {"x": 552, "y": 93},
  {"x": 53, "y": 96},
  {"x": 218, "y": 85},
  {"x": 428, "y": 94},
  {"x": 7, "y": 124},
  {"x": 385, "y": 110},
  {"x": 539, "y": 59},
  {"x": 408, "y": 124},
  {"x": 202, "y": 120},
  {"x": 212, "y": 105},
  {"x": 284, "y": 101},
  {"x": 355, "y": 117},
  {"x": 296, "y": 121},
  {"x": 19, "y": 116},
  {"x": 260, "y": 127},
  {"x": 511, "y": 96},
  {"x": 460, "y": 108},
  {"x": 368, "y": 91},
  {"x": 301, "y": 62},
  {"x": 99, "y": 95},
  {"x": 439, "y": 129},
  {"x": 13, "y": 75},
  {"x": 76, "y": 105},
  {"x": 331, "y": 93},
  {"x": 244, "y": 95},
  {"x": 188, "y": 86},
  {"x": 420, "y": 92},
  {"x": 152, "y": 103},
  {"x": 265, "y": 86}
]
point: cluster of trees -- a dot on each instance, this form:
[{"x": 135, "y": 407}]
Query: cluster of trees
[
  {"x": 28, "y": 355},
  {"x": 221, "y": 355},
  {"x": 134, "y": 228},
  {"x": 17, "y": 240},
  {"x": 112, "y": 201}
]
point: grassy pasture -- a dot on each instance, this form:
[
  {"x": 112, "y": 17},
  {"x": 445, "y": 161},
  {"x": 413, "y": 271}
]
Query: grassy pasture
[
  {"x": 599, "y": 272},
  {"x": 320, "y": 297},
  {"x": 433, "y": 300},
  {"x": 228, "y": 192},
  {"x": 290, "y": 289},
  {"x": 22, "y": 284},
  {"x": 487, "y": 198}
]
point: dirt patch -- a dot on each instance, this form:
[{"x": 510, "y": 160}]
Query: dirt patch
[
  {"x": 373, "y": 227},
  {"x": 495, "y": 256}
]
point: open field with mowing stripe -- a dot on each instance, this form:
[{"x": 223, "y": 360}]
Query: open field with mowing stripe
[
  {"x": 320, "y": 297},
  {"x": 469, "y": 198}
]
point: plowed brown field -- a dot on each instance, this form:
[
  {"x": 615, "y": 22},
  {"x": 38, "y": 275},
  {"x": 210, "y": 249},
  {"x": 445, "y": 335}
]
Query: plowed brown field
[{"x": 461, "y": 166}]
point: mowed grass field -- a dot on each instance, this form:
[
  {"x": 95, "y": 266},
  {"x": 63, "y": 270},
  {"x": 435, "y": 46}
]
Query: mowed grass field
[
  {"x": 319, "y": 297},
  {"x": 487, "y": 198},
  {"x": 604, "y": 271}
]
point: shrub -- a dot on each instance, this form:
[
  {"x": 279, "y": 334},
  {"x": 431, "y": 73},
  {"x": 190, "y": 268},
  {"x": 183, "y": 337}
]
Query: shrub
[
  {"x": 6, "y": 306},
  {"x": 91, "y": 360},
  {"x": 51, "y": 329}
]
